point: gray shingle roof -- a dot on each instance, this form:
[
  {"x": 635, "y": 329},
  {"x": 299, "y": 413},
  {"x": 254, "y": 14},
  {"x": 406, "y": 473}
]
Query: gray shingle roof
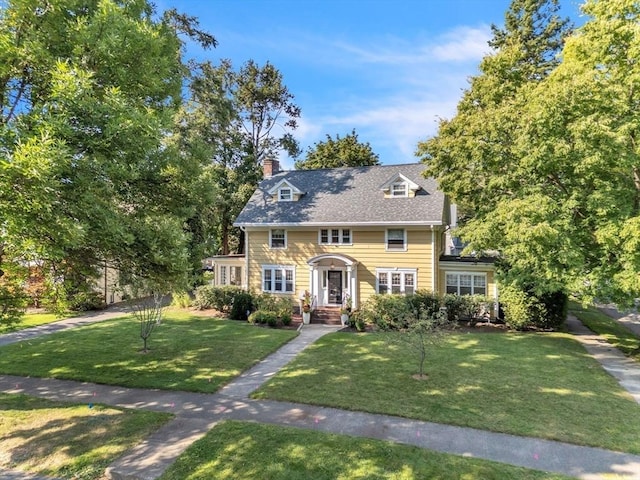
[{"x": 346, "y": 196}]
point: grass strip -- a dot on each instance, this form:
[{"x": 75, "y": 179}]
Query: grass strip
[
  {"x": 75, "y": 441},
  {"x": 188, "y": 353},
  {"x": 613, "y": 331},
  {"x": 531, "y": 384},
  {"x": 239, "y": 450}
]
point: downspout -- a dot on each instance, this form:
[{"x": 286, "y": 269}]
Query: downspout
[
  {"x": 245, "y": 274},
  {"x": 433, "y": 261}
]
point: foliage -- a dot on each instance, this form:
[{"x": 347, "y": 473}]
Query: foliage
[
  {"x": 220, "y": 298},
  {"x": 396, "y": 312},
  {"x": 88, "y": 92},
  {"x": 523, "y": 308},
  {"x": 273, "y": 303},
  {"x": 261, "y": 317},
  {"x": 341, "y": 152},
  {"x": 181, "y": 299},
  {"x": 242, "y": 303},
  {"x": 549, "y": 171},
  {"x": 13, "y": 302},
  {"x": 85, "y": 301},
  {"x": 307, "y": 303}
]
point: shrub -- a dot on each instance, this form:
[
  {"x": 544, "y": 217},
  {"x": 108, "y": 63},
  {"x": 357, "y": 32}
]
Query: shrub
[
  {"x": 385, "y": 311},
  {"x": 181, "y": 299},
  {"x": 523, "y": 309},
  {"x": 85, "y": 301},
  {"x": 262, "y": 317},
  {"x": 242, "y": 303},
  {"x": 425, "y": 301},
  {"x": 285, "y": 318},
  {"x": 220, "y": 298}
]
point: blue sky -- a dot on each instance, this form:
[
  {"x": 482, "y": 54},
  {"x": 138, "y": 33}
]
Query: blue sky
[{"x": 388, "y": 68}]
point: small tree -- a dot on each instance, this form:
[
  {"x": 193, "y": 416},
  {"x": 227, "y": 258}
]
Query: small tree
[
  {"x": 421, "y": 331},
  {"x": 149, "y": 313}
]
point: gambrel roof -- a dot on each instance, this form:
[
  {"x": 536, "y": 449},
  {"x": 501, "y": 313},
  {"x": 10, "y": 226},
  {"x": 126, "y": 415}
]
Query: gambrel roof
[{"x": 347, "y": 196}]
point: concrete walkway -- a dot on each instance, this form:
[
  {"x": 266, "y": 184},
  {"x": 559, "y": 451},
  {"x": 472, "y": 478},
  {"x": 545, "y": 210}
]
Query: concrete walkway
[
  {"x": 630, "y": 319},
  {"x": 198, "y": 413}
]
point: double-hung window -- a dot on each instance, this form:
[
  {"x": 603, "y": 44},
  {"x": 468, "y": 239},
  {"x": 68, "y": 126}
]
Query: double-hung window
[
  {"x": 278, "y": 238},
  {"x": 223, "y": 274},
  {"x": 335, "y": 236},
  {"x": 396, "y": 239},
  {"x": 284, "y": 195},
  {"x": 466, "y": 283},
  {"x": 278, "y": 279},
  {"x": 399, "y": 189},
  {"x": 396, "y": 280}
]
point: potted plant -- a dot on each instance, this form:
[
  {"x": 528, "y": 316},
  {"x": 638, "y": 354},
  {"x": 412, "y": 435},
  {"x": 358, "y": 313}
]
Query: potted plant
[
  {"x": 306, "y": 307},
  {"x": 345, "y": 311}
]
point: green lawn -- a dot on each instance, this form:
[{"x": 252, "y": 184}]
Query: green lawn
[
  {"x": 68, "y": 440},
  {"x": 237, "y": 451},
  {"x": 615, "y": 333},
  {"x": 539, "y": 385},
  {"x": 35, "y": 319},
  {"x": 187, "y": 353}
]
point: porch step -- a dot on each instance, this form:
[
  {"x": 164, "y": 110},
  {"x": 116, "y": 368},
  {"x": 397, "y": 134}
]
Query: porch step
[{"x": 326, "y": 315}]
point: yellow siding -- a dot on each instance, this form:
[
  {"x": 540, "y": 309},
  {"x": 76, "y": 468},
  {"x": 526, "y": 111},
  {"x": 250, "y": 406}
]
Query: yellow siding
[
  {"x": 456, "y": 267},
  {"x": 368, "y": 249}
]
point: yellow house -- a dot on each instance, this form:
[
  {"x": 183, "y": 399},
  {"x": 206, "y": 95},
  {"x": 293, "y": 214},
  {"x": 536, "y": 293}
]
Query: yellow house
[{"x": 349, "y": 233}]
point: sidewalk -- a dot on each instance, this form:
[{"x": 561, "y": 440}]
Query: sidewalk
[
  {"x": 196, "y": 414},
  {"x": 630, "y": 319}
]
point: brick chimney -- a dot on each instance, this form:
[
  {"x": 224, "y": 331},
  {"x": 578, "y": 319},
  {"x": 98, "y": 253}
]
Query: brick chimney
[{"x": 271, "y": 167}]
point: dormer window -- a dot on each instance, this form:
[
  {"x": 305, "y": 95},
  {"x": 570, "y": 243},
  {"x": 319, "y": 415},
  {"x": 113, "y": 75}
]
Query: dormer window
[
  {"x": 400, "y": 189},
  {"x": 400, "y": 186},
  {"x": 285, "y": 191},
  {"x": 284, "y": 195}
]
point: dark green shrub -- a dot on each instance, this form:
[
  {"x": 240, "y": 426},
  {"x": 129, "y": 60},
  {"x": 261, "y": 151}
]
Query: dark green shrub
[
  {"x": 456, "y": 306},
  {"x": 385, "y": 311},
  {"x": 285, "y": 318},
  {"x": 85, "y": 301},
  {"x": 262, "y": 317},
  {"x": 523, "y": 309},
  {"x": 242, "y": 303},
  {"x": 425, "y": 301}
]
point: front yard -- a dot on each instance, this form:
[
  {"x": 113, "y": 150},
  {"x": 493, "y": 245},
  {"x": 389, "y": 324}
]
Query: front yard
[
  {"x": 539, "y": 385},
  {"x": 188, "y": 352}
]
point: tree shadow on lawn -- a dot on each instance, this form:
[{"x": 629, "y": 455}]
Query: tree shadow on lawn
[
  {"x": 195, "y": 354},
  {"x": 54, "y": 438},
  {"x": 527, "y": 384}
]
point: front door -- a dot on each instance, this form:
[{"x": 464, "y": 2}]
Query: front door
[{"x": 334, "y": 282}]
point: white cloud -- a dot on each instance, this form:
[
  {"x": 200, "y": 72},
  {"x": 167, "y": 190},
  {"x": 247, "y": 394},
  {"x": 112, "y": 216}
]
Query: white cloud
[{"x": 463, "y": 44}]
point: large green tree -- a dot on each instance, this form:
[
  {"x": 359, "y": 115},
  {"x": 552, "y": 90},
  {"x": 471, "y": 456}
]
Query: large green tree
[
  {"x": 88, "y": 91},
  {"x": 563, "y": 207},
  {"x": 341, "y": 152},
  {"x": 233, "y": 120},
  {"x": 473, "y": 156}
]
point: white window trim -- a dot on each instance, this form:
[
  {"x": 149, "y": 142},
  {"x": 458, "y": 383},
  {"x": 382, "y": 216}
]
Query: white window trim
[
  {"x": 402, "y": 272},
  {"x": 340, "y": 236},
  {"x": 283, "y": 269},
  {"x": 281, "y": 198},
  {"x": 473, "y": 274},
  {"x": 271, "y": 239},
  {"x": 405, "y": 191},
  {"x": 386, "y": 240}
]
